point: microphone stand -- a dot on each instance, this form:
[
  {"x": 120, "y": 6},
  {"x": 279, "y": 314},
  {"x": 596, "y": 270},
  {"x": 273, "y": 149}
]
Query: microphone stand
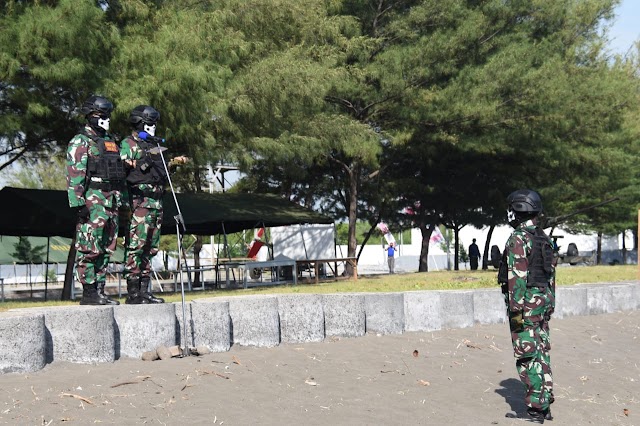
[{"x": 180, "y": 230}]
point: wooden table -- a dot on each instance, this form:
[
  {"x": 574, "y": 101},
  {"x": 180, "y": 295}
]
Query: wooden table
[{"x": 335, "y": 260}]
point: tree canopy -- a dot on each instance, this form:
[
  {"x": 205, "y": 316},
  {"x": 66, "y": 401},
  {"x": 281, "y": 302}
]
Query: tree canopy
[{"x": 413, "y": 112}]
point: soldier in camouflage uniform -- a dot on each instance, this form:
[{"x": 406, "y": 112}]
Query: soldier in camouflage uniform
[
  {"x": 527, "y": 277},
  {"x": 95, "y": 179},
  {"x": 146, "y": 179}
]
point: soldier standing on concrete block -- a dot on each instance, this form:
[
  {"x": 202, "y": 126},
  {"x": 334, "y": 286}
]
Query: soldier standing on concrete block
[
  {"x": 95, "y": 181},
  {"x": 146, "y": 180},
  {"x": 527, "y": 278}
]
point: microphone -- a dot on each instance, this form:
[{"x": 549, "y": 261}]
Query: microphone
[{"x": 147, "y": 137}]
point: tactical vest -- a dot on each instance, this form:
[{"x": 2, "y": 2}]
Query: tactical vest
[
  {"x": 539, "y": 262},
  {"x": 540, "y": 259},
  {"x": 149, "y": 167},
  {"x": 107, "y": 166}
]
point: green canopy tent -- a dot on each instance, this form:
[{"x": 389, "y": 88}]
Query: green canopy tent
[{"x": 46, "y": 213}]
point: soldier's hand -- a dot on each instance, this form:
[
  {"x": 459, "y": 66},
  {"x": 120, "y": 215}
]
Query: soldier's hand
[
  {"x": 516, "y": 321},
  {"x": 83, "y": 212}
]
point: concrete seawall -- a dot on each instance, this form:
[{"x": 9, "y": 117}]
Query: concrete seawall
[{"x": 32, "y": 338}]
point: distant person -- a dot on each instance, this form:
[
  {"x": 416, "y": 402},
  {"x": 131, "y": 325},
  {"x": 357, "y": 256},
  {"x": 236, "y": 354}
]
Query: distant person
[
  {"x": 474, "y": 255},
  {"x": 95, "y": 184},
  {"x": 391, "y": 260},
  {"x": 527, "y": 278}
]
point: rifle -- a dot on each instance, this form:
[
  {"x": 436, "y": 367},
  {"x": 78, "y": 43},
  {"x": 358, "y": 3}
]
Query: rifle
[{"x": 548, "y": 222}]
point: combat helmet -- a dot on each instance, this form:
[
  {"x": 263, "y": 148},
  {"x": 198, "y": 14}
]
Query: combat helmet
[
  {"x": 522, "y": 205},
  {"x": 144, "y": 114},
  {"x": 97, "y": 104}
]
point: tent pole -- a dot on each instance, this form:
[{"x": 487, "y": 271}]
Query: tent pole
[
  {"x": 46, "y": 270},
  {"x": 226, "y": 247}
]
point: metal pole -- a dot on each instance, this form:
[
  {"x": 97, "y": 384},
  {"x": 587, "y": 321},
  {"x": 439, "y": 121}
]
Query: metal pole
[{"x": 184, "y": 349}]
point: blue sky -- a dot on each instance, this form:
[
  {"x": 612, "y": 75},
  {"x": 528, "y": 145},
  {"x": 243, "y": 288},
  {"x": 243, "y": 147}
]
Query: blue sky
[{"x": 626, "y": 27}]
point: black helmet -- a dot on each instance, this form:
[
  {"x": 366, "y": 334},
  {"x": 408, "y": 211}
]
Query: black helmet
[
  {"x": 523, "y": 204},
  {"x": 96, "y": 104},
  {"x": 525, "y": 201},
  {"x": 144, "y": 114}
]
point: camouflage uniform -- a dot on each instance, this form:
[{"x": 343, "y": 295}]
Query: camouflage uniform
[
  {"x": 143, "y": 238},
  {"x": 530, "y": 337},
  {"x": 96, "y": 234}
]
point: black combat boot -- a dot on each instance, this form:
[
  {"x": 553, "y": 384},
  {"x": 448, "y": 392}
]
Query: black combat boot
[
  {"x": 107, "y": 299},
  {"x": 90, "y": 296},
  {"x": 133, "y": 289},
  {"x": 145, "y": 291},
  {"x": 531, "y": 415}
]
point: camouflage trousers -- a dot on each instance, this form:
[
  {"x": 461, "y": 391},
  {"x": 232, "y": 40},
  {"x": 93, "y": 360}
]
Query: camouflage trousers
[
  {"x": 96, "y": 238},
  {"x": 143, "y": 240},
  {"x": 531, "y": 346}
]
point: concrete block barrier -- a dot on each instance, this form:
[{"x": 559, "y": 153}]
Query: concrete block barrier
[
  {"x": 422, "y": 311},
  {"x": 81, "y": 334},
  {"x": 254, "y": 321},
  {"x": 186, "y": 340},
  {"x": 23, "y": 346},
  {"x": 384, "y": 313},
  {"x": 30, "y": 338},
  {"x": 301, "y": 318},
  {"x": 489, "y": 307},
  {"x": 571, "y": 301},
  {"x": 344, "y": 315},
  {"x": 600, "y": 299},
  {"x": 456, "y": 309},
  {"x": 211, "y": 325},
  {"x": 141, "y": 328},
  {"x": 623, "y": 298},
  {"x": 636, "y": 293}
]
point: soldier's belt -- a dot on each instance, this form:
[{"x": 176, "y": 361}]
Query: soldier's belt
[
  {"x": 146, "y": 192},
  {"x": 106, "y": 186}
]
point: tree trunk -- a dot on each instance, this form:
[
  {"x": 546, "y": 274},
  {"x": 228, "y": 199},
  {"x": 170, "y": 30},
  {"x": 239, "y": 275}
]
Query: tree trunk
[
  {"x": 425, "y": 231},
  {"x": 68, "y": 272},
  {"x": 456, "y": 249},
  {"x": 353, "y": 203},
  {"x": 197, "y": 247},
  {"x": 487, "y": 244},
  {"x": 599, "y": 249},
  {"x": 624, "y": 248}
]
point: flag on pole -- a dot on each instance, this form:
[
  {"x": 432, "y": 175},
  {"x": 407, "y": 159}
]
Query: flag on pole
[
  {"x": 382, "y": 227},
  {"x": 436, "y": 236}
]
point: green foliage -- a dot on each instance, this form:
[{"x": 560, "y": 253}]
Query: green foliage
[
  {"x": 443, "y": 107},
  {"x": 362, "y": 228},
  {"x": 27, "y": 254}
]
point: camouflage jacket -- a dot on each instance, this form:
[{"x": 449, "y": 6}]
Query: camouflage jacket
[
  {"x": 79, "y": 190},
  {"x": 143, "y": 194},
  {"x": 517, "y": 252}
]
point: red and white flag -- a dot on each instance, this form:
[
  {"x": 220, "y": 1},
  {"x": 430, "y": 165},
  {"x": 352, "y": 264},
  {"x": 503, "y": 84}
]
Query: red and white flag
[{"x": 436, "y": 236}]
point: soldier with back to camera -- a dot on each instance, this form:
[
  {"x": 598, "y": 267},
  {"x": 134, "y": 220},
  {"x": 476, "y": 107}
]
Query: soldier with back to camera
[{"x": 527, "y": 277}]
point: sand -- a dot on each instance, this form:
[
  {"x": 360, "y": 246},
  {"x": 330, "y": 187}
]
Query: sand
[{"x": 448, "y": 377}]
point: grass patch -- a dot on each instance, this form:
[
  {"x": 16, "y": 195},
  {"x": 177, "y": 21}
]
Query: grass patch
[{"x": 439, "y": 280}]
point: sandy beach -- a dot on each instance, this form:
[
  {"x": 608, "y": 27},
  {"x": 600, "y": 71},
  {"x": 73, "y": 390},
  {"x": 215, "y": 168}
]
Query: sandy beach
[{"x": 448, "y": 377}]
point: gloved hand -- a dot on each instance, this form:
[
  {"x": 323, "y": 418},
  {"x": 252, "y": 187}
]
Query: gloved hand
[
  {"x": 83, "y": 212},
  {"x": 516, "y": 321}
]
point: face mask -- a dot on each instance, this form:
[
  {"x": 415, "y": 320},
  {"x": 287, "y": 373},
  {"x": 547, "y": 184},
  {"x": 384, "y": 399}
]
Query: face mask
[
  {"x": 104, "y": 123},
  {"x": 511, "y": 217},
  {"x": 150, "y": 129}
]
